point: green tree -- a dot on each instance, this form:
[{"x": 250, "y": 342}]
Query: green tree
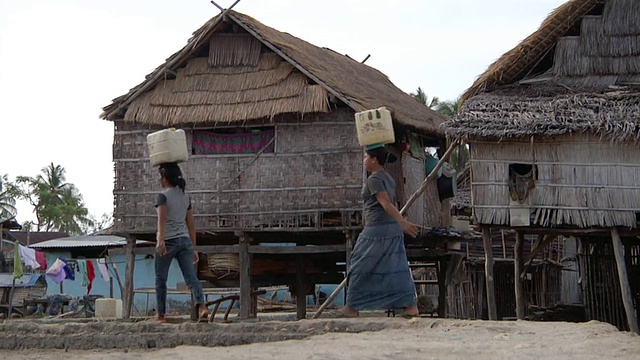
[
  {"x": 449, "y": 108},
  {"x": 7, "y": 198},
  {"x": 58, "y": 205},
  {"x": 460, "y": 157},
  {"x": 422, "y": 97}
]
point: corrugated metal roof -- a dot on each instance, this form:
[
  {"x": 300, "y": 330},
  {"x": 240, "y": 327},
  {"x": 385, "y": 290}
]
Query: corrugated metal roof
[
  {"x": 35, "y": 237},
  {"x": 85, "y": 241}
]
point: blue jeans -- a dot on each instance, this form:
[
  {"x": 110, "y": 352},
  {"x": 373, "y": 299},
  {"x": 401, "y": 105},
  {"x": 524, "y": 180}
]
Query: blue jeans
[{"x": 180, "y": 248}]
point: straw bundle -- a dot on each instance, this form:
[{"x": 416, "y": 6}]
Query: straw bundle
[{"x": 224, "y": 265}]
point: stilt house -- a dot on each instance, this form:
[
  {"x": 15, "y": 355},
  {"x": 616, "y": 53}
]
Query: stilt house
[
  {"x": 271, "y": 131},
  {"x": 553, "y": 127}
]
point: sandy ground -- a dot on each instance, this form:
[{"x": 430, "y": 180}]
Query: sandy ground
[{"x": 424, "y": 338}]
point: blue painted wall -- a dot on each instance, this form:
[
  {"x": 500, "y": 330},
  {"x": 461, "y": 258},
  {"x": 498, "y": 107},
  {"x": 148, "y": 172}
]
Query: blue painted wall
[{"x": 144, "y": 277}]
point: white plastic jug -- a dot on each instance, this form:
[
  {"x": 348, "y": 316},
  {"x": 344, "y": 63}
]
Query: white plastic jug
[
  {"x": 375, "y": 127},
  {"x": 108, "y": 308},
  {"x": 167, "y": 146}
]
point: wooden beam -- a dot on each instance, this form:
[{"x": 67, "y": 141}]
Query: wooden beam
[
  {"x": 517, "y": 268},
  {"x": 488, "y": 270},
  {"x": 128, "y": 277},
  {"x": 245, "y": 278},
  {"x": 627, "y": 297}
]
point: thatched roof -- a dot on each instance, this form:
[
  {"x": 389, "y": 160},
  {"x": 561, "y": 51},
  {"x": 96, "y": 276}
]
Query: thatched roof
[
  {"x": 235, "y": 69},
  {"x": 580, "y": 72}
]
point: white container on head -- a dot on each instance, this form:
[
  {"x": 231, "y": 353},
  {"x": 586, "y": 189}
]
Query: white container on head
[
  {"x": 167, "y": 146},
  {"x": 375, "y": 127}
]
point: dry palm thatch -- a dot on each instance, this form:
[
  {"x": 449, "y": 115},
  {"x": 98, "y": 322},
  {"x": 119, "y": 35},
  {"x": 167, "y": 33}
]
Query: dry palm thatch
[
  {"x": 259, "y": 72},
  {"x": 589, "y": 84},
  {"x": 515, "y": 64}
]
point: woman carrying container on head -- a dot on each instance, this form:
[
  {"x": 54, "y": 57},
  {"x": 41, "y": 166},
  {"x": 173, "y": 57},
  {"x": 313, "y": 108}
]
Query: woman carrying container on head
[
  {"x": 379, "y": 275},
  {"x": 176, "y": 238}
]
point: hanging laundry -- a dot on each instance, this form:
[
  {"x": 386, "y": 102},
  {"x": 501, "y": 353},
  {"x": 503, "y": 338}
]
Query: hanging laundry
[
  {"x": 56, "y": 272},
  {"x": 104, "y": 271},
  {"x": 28, "y": 256},
  {"x": 71, "y": 275},
  {"x": 17, "y": 263},
  {"x": 91, "y": 274},
  {"x": 82, "y": 269},
  {"x": 41, "y": 258}
]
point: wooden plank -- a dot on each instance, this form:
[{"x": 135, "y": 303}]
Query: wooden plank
[
  {"x": 517, "y": 267},
  {"x": 128, "y": 277},
  {"x": 488, "y": 270},
  {"x": 627, "y": 296},
  {"x": 321, "y": 249},
  {"x": 245, "y": 278}
]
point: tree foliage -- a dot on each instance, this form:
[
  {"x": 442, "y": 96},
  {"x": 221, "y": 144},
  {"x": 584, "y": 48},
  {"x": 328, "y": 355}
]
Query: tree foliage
[
  {"x": 423, "y": 98},
  {"x": 58, "y": 205},
  {"x": 7, "y": 198}
]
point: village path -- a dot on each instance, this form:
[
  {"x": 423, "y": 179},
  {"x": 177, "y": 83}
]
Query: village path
[{"x": 401, "y": 339}]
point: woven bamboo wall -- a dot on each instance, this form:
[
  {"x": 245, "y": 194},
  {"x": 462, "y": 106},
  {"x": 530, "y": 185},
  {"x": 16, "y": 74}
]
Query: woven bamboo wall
[
  {"x": 581, "y": 180},
  {"x": 316, "y": 170}
]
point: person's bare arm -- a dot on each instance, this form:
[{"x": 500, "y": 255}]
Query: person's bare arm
[
  {"x": 191, "y": 226},
  {"x": 162, "y": 222},
  {"x": 407, "y": 227}
]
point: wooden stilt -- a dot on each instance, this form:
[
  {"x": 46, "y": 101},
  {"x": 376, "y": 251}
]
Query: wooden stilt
[
  {"x": 627, "y": 298},
  {"x": 350, "y": 242},
  {"x": 488, "y": 270},
  {"x": 442, "y": 286},
  {"x": 301, "y": 290},
  {"x": 245, "y": 278},
  {"x": 517, "y": 268},
  {"x": 128, "y": 277},
  {"x": 481, "y": 287}
]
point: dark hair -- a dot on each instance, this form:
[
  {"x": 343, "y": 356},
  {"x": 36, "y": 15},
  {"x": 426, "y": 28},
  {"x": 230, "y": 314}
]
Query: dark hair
[
  {"x": 380, "y": 153},
  {"x": 173, "y": 174}
]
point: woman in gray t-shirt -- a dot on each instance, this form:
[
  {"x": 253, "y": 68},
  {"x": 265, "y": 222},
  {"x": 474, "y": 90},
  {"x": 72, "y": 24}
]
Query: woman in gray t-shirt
[
  {"x": 379, "y": 275},
  {"x": 176, "y": 238}
]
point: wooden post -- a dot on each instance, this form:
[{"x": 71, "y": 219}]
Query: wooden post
[
  {"x": 481, "y": 287},
  {"x": 627, "y": 298},
  {"x": 350, "y": 243},
  {"x": 301, "y": 290},
  {"x": 488, "y": 270},
  {"x": 110, "y": 287},
  {"x": 442, "y": 286},
  {"x": 517, "y": 268},
  {"x": 128, "y": 277},
  {"x": 245, "y": 278}
]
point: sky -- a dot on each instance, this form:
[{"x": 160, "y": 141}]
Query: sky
[{"x": 61, "y": 61}]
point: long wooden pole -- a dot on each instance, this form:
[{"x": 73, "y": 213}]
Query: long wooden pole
[
  {"x": 627, "y": 298},
  {"x": 404, "y": 209}
]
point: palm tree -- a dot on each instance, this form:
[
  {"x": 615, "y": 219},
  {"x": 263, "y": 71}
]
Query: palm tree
[
  {"x": 449, "y": 108},
  {"x": 7, "y": 199},
  {"x": 424, "y": 99},
  {"x": 58, "y": 205}
]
